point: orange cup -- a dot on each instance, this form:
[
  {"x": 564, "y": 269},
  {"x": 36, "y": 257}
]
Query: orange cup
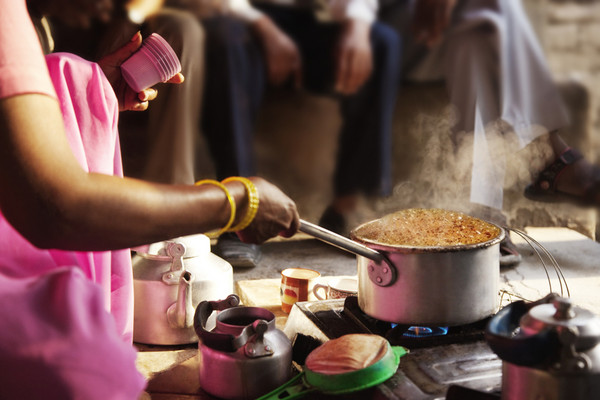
[{"x": 296, "y": 285}]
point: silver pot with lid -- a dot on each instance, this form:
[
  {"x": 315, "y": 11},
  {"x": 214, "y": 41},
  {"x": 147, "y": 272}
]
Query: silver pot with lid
[
  {"x": 424, "y": 286},
  {"x": 550, "y": 350},
  {"x": 244, "y": 356}
]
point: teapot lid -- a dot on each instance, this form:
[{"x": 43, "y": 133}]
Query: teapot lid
[
  {"x": 561, "y": 313},
  {"x": 195, "y": 245}
]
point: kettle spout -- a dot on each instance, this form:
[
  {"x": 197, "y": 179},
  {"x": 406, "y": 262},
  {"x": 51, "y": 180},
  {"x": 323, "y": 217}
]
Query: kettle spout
[{"x": 181, "y": 313}]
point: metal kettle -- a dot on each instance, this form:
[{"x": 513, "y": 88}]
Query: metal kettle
[
  {"x": 549, "y": 348},
  {"x": 170, "y": 279},
  {"x": 245, "y": 356}
]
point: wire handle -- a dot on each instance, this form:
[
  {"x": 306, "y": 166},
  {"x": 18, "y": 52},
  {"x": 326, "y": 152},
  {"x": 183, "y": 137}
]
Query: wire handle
[{"x": 535, "y": 245}]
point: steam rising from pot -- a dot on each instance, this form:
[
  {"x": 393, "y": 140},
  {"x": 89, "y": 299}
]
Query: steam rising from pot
[{"x": 440, "y": 163}]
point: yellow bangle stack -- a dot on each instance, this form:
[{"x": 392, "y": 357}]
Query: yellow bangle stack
[
  {"x": 231, "y": 205},
  {"x": 253, "y": 201}
]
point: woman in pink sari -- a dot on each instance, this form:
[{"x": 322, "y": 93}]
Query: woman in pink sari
[{"x": 68, "y": 217}]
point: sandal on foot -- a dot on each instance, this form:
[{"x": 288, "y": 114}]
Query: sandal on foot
[
  {"x": 239, "y": 254},
  {"x": 509, "y": 255},
  {"x": 544, "y": 188}
]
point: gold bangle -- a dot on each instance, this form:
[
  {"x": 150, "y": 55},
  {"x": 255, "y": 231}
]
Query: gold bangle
[
  {"x": 231, "y": 201},
  {"x": 253, "y": 200}
]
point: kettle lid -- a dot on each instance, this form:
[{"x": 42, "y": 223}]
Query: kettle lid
[
  {"x": 561, "y": 313},
  {"x": 195, "y": 245}
]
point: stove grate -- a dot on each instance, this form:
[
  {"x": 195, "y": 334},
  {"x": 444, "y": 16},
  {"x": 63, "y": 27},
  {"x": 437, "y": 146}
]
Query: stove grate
[{"x": 397, "y": 334}]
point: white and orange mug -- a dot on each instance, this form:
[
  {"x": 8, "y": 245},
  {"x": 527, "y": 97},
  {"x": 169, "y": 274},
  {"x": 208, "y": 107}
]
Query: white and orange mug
[
  {"x": 339, "y": 288},
  {"x": 296, "y": 285}
]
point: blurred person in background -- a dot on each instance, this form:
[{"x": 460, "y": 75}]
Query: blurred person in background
[
  {"x": 68, "y": 217},
  {"x": 160, "y": 145},
  {"x": 335, "y": 48},
  {"x": 500, "y": 86}
]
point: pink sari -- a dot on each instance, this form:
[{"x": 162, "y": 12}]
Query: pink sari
[
  {"x": 90, "y": 111},
  {"x": 59, "y": 342}
]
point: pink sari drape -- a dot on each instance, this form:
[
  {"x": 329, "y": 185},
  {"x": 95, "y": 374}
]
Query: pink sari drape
[
  {"x": 59, "y": 342},
  {"x": 90, "y": 111}
]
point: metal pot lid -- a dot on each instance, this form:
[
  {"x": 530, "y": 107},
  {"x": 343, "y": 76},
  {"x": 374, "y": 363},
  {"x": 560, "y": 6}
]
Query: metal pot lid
[{"x": 559, "y": 314}]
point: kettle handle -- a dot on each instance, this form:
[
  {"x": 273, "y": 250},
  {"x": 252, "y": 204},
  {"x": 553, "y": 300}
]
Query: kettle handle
[
  {"x": 382, "y": 271},
  {"x": 218, "y": 341},
  {"x": 523, "y": 350}
]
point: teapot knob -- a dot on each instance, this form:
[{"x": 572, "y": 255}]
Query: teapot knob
[
  {"x": 231, "y": 301},
  {"x": 260, "y": 327},
  {"x": 176, "y": 250},
  {"x": 564, "y": 310},
  {"x": 257, "y": 345}
]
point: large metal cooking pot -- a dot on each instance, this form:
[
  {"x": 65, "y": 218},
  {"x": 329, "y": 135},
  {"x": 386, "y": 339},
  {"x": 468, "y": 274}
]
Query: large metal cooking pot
[
  {"x": 550, "y": 350},
  {"x": 432, "y": 286}
]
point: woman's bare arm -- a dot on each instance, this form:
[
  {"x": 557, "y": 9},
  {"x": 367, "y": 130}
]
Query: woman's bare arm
[{"x": 54, "y": 203}]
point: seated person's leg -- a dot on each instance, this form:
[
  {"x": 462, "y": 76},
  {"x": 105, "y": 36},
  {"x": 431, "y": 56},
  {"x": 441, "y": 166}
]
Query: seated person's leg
[
  {"x": 367, "y": 114},
  {"x": 174, "y": 116},
  {"x": 233, "y": 94},
  {"x": 365, "y": 155},
  {"x": 368, "y": 121},
  {"x": 526, "y": 95}
]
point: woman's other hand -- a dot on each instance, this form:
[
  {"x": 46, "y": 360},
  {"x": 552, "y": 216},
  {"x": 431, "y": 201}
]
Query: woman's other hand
[
  {"x": 277, "y": 215},
  {"x": 127, "y": 97}
]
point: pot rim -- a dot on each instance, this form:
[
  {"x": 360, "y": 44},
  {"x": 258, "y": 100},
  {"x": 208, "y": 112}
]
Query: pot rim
[{"x": 427, "y": 249}]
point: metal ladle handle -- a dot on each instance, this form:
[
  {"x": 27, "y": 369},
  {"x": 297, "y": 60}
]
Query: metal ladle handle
[
  {"x": 340, "y": 241},
  {"x": 381, "y": 272}
]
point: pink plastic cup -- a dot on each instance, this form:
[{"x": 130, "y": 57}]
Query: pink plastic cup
[
  {"x": 154, "y": 62},
  {"x": 160, "y": 46},
  {"x": 158, "y": 55},
  {"x": 164, "y": 54}
]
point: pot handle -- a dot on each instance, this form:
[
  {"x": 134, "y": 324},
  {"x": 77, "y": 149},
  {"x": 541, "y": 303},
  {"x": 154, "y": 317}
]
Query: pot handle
[
  {"x": 340, "y": 241},
  {"x": 381, "y": 273},
  {"x": 218, "y": 341},
  {"x": 502, "y": 336}
]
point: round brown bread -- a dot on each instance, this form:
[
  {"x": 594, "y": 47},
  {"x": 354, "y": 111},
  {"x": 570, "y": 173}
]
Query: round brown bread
[{"x": 347, "y": 353}]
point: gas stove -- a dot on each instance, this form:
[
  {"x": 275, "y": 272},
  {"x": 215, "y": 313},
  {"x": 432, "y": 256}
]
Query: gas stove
[{"x": 443, "y": 363}]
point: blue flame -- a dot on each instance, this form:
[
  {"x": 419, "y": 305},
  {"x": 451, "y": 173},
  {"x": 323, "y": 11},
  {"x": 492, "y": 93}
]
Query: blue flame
[{"x": 424, "y": 331}]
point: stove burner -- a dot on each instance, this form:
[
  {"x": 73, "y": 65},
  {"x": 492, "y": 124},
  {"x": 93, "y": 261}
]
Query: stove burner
[
  {"x": 425, "y": 331},
  {"x": 405, "y": 335}
]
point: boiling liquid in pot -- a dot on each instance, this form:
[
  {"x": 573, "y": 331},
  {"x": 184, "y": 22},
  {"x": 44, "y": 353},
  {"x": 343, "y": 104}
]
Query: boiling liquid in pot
[{"x": 420, "y": 227}]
